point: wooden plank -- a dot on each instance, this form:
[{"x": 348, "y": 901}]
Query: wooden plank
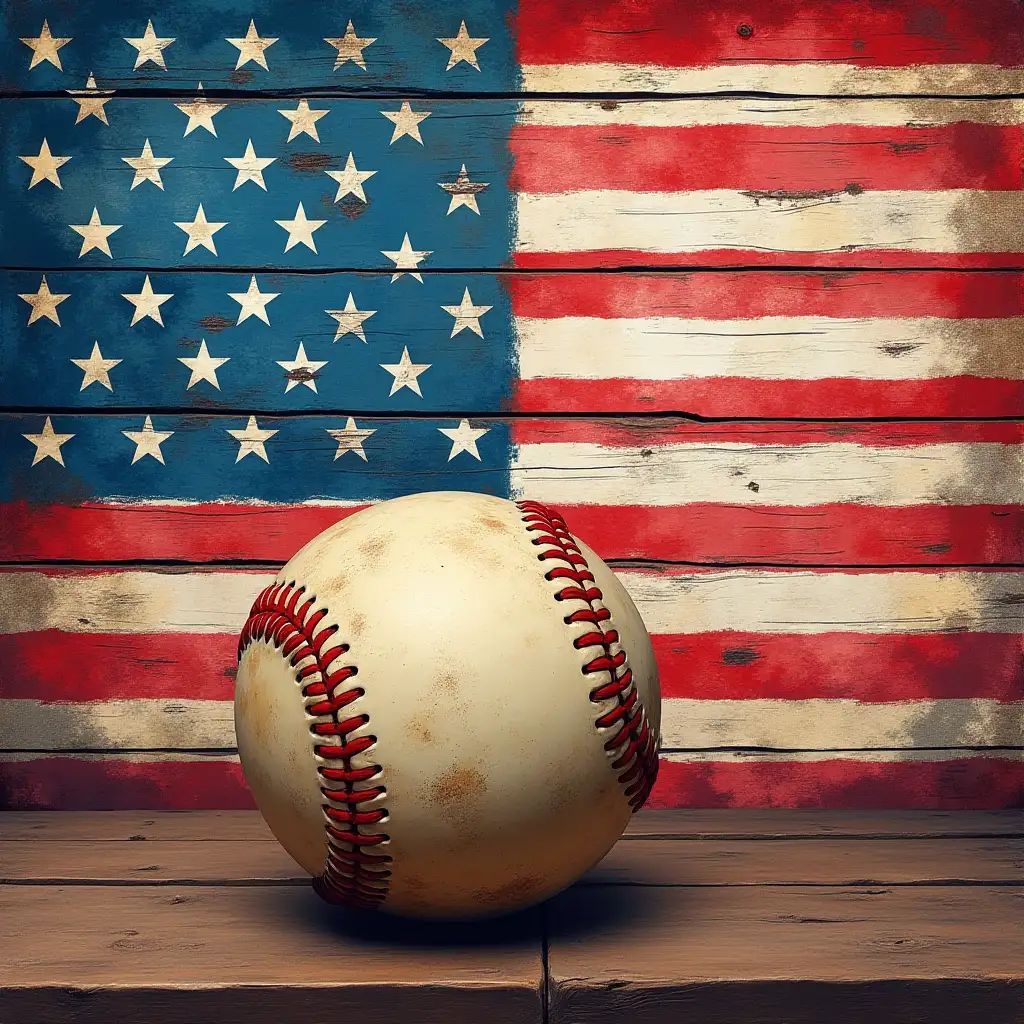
[
  {"x": 251, "y": 954},
  {"x": 793, "y": 954},
  {"x": 918, "y": 189},
  {"x": 683, "y": 824},
  {"x": 750, "y": 492},
  {"x": 731, "y": 344},
  {"x": 662, "y": 46},
  {"x": 636, "y": 862}
]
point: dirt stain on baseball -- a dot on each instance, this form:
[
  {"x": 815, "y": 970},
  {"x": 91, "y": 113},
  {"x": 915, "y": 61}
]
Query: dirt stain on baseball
[
  {"x": 374, "y": 549},
  {"x": 511, "y": 892},
  {"x": 494, "y": 525},
  {"x": 459, "y": 785},
  {"x": 447, "y": 683},
  {"x": 420, "y": 729},
  {"x": 357, "y": 625}
]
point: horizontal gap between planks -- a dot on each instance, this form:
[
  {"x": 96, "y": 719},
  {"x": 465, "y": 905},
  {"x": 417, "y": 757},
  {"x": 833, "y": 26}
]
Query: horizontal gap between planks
[
  {"x": 448, "y": 414},
  {"x": 631, "y": 269},
  {"x": 614, "y": 563},
  {"x": 372, "y": 95},
  {"x": 195, "y": 752}
]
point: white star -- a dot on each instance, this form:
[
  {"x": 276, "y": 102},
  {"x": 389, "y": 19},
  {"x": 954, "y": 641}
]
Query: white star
[
  {"x": 252, "y": 440},
  {"x": 300, "y": 370},
  {"x": 253, "y": 302},
  {"x": 44, "y": 303},
  {"x": 95, "y": 235},
  {"x": 251, "y": 47},
  {"x": 300, "y": 229},
  {"x": 351, "y": 439},
  {"x": 466, "y": 315},
  {"x": 463, "y": 192},
  {"x": 150, "y": 48},
  {"x": 463, "y": 47},
  {"x": 250, "y": 167},
  {"x": 203, "y": 366},
  {"x": 464, "y": 438},
  {"x": 406, "y": 122},
  {"x": 147, "y": 303},
  {"x": 406, "y": 259},
  {"x": 44, "y": 47},
  {"x": 90, "y": 100},
  {"x": 147, "y": 441},
  {"x": 303, "y": 120},
  {"x": 350, "y": 320},
  {"x": 200, "y": 231},
  {"x": 405, "y": 372},
  {"x": 45, "y": 166},
  {"x": 147, "y": 167},
  {"x": 48, "y": 443},
  {"x": 350, "y": 47},
  {"x": 200, "y": 112},
  {"x": 350, "y": 180},
  {"x": 97, "y": 369}
]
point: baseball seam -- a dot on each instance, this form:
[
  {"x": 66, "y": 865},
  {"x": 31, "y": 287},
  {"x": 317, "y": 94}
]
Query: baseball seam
[
  {"x": 352, "y": 874},
  {"x": 633, "y": 746}
]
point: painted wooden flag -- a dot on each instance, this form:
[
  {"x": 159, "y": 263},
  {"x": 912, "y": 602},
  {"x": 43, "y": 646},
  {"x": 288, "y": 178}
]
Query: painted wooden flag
[{"x": 764, "y": 352}]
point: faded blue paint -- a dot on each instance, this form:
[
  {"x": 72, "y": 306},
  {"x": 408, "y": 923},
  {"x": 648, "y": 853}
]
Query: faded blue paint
[
  {"x": 403, "y": 196},
  {"x": 467, "y": 373},
  {"x": 403, "y": 456},
  {"x": 405, "y": 57}
]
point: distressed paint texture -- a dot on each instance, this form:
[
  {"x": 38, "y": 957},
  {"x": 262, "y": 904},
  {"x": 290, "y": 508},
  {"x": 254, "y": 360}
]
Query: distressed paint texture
[{"x": 797, "y": 422}]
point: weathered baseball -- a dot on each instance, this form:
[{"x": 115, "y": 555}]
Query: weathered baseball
[{"x": 447, "y": 706}]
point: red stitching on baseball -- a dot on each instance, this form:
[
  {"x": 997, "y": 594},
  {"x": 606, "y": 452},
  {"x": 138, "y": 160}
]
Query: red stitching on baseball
[
  {"x": 638, "y": 762},
  {"x": 352, "y": 875}
]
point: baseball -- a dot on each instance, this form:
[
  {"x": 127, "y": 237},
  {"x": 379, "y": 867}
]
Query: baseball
[{"x": 447, "y": 706}]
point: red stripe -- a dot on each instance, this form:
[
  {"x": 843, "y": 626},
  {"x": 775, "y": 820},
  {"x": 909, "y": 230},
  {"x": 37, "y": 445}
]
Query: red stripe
[
  {"x": 854, "y": 666},
  {"x": 729, "y": 534},
  {"x": 728, "y": 295},
  {"x": 76, "y": 784},
  {"x": 640, "y": 433},
  {"x": 55, "y": 666},
  {"x": 965, "y": 783},
  {"x": 796, "y": 399},
  {"x": 894, "y": 259},
  {"x": 790, "y": 161},
  {"x": 818, "y": 535},
  {"x": 693, "y": 33}
]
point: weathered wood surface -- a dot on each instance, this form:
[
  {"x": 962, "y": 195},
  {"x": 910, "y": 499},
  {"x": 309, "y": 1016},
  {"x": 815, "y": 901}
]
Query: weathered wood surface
[
  {"x": 568, "y": 184},
  {"x": 746, "y": 492},
  {"x": 725, "y": 344},
  {"x": 691, "y": 824},
  {"x": 100, "y": 925},
  {"x": 952, "y": 46}
]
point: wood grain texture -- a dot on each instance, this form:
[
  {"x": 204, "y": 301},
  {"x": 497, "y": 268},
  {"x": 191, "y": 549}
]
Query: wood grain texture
[
  {"x": 645, "y": 862},
  {"x": 251, "y": 954},
  {"x": 794, "y": 954}
]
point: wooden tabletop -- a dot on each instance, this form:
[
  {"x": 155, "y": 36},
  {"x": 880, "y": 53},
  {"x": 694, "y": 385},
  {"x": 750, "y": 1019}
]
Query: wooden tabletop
[{"x": 709, "y": 916}]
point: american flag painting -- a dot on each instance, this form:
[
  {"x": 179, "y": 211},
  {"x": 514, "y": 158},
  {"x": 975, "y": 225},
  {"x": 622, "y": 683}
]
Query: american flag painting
[{"x": 737, "y": 291}]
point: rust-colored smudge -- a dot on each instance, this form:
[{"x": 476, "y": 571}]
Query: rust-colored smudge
[
  {"x": 301, "y": 374},
  {"x": 785, "y": 195},
  {"x": 310, "y": 162},
  {"x": 352, "y": 207},
  {"x": 357, "y": 625},
  {"x": 609, "y": 105},
  {"x": 215, "y": 323},
  {"x": 519, "y": 889},
  {"x": 459, "y": 785},
  {"x": 492, "y": 524},
  {"x": 240, "y": 77},
  {"x": 373, "y": 550}
]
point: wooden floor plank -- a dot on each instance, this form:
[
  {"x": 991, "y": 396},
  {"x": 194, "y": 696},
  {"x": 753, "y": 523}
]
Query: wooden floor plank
[
  {"x": 639, "y": 862},
  {"x": 793, "y": 954},
  {"x": 767, "y": 823},
  {"x": 170, "y": 955}
]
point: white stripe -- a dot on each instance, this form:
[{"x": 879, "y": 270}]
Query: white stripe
[
  {"x": 840, "y": 724},
  {"x": 768, "y": 348},
  {"x": 780, "y": 724},
  {"x": 811, "y": 602},
  {"x": 818, "y": 78},
  {"x": 759, "y": 601},
  {"x": 775, "y": 113},
  {"x": 950, "y": 220},
  {"x": 581, "y": 473},
  {"x": 813, "y": 756}
]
